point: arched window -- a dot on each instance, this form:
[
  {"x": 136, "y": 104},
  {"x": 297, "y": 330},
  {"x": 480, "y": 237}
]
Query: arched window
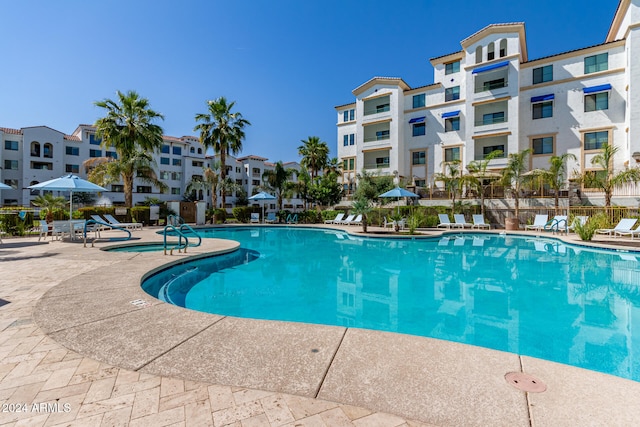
[
  {"x": 503, "y": 48},
  {"x": 48, "y": 150},
  {"x": 35, "y": 149},
  {"x": 478, "y": 54},
  {"x": 192, "y": 150},
  {"x": 199, "y": 150},
  {"x": 491, "y": 51}
]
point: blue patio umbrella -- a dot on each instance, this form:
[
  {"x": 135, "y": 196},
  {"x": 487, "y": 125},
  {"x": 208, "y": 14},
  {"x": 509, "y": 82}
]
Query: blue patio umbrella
[
  {"x": 5, "y": 186},
  {"x": 397, "y": 193},
  {"x": 68, "y": 183},
  {"x": 262, "y": 196}
]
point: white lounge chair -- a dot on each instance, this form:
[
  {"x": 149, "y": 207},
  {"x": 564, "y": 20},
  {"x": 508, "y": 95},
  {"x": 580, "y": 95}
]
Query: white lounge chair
[
  {"x": 356, "y": 221},
  {"x": 255, "y": 218},
  {"x": 478, "y": 222},
  {"x": 581, "y": 219},
  {"x": 445, "y": 222},
  {"x": 461, "y": 221},
  {"x": 624, "y": 225},
  {"x": 112, "y": 221},
  {"x": 335, "y": 220},
  {"x": 347, "y": 220},
  {"x": 538, "y": 223},
  {"x": 632, "y": 233},
  {"x": 44, "y": 230},
  {"x": 557, "y": 224},
  {"x": 271, "y": 218}
]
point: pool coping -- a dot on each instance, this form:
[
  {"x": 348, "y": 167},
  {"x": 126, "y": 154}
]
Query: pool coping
[{"x": 430, "y": 380}]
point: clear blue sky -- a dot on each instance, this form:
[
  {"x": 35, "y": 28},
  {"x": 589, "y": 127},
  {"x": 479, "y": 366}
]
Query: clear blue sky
[{"x": 286, "y": 63}]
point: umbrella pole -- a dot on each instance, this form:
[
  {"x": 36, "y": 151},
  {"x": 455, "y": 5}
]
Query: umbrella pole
[{"x": 70, "y": 205}]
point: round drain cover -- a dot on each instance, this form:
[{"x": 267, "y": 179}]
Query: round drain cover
[{"x": 525, "y": 382}]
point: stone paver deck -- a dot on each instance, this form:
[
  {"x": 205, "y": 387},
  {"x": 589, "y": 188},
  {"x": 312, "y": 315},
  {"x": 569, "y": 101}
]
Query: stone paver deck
[{"x": 74, "y": 350}]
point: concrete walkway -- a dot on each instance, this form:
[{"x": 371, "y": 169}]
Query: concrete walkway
[{"x": 79, "y": 331}]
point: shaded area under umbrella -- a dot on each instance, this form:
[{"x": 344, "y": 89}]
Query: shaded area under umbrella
[
  {"x": 70, "y": 183},
  {"x": 262, "y": 196},
  {"x": 398, "y": 193}
]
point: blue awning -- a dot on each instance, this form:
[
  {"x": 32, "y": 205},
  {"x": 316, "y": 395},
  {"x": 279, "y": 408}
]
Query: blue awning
[
  {"x": 594, "y": 89},
  {"x": 417, "y": 119},
  {"x": 542, "y": 98},
  {"x": 490, "y": 67},
  {"x": 451, "y": 114}
]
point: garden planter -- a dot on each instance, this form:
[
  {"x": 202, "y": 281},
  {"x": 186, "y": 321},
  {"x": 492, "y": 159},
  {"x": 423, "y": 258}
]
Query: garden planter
[{"x": 511, "y": 224}]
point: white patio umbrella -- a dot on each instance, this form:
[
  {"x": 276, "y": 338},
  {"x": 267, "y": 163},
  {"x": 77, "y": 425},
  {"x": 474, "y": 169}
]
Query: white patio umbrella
[
  {"x": 397, "y": 193},
  {"x": 5, "y": 186},
  {"x": 262, "y": 196},
  {"x": 68, "y": 183}
]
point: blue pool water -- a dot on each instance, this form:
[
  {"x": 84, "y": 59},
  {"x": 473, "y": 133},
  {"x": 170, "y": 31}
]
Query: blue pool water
[{"x": 527, "y": 296}]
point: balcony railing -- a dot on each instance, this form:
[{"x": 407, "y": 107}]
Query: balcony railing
[
  {"x": 376, "y": 110},
  {"x": 490, "y": 121},
  {"x": 491, "y": 85},
  {"x": 377, "y": 138},
  {"x": 376, "y": 165}
]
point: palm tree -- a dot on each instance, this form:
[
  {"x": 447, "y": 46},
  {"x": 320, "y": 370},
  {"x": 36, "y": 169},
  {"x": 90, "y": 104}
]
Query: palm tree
[
  {"x": 223, "y": 131},
  {"x": 452, "y": 178},
  {"x": 49, "y": 203},
  {"x": 605, "y": 179},
  {"x": 556, "y": 175},
  {"x": 314, "y": 155},
  {"x": 138, "y": 164},
  {"x": 129, "y": 127},
  {"x": 303, "y": 185},
  {"x": 513, "y": 176},
  {"x": 333, "y": 166},
  {"x": 478, "y": 174},
  {"x": 278, "y": 181},
  {"x": 362, "y": 206}
]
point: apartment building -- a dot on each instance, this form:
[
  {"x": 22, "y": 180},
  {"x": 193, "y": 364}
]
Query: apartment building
[
  {"x": 35, "y": 154},
  {"x": 491, "y": 96}
]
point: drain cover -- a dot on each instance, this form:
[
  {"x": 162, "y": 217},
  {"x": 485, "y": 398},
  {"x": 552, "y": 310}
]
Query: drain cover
[{"x": 525, "y": 382}]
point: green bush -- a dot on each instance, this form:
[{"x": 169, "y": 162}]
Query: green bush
[
  {"x": 141, "y": 214},
  {"x": 243, "y": 213},
  {"x": 588, "y": 230}
]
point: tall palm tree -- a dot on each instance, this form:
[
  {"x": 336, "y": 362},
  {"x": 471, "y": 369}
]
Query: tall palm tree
[
  {"x": 303, "y": 185},
  {"x": 478, "y": 174},
  {"x": 556, "y": 175},
  {"x": 314, "y": 155},
  {"x": 514, "y": 176},
  {"x": 278, "y": 180},
  {"x": 223, "y": 131},
  {"x": 49, "y": 203},
  {"x": 129, "y": 127},
  {"x": 333, "y": 166},
  {"x": 605, "y": 179}
]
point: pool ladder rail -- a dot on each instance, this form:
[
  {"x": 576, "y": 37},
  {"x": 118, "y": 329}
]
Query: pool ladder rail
[
  {"x": 95, "y": 226},
  {"x": 175, "y": 224}
]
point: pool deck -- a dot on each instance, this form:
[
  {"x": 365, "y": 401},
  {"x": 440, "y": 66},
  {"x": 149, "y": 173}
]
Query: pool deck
[{"x": 79, "y": 330}]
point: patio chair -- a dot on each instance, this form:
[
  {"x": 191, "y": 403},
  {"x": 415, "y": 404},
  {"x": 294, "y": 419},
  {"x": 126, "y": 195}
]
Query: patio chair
[
  {"x": 271, "y": 218},
  {"x": 346, "y": 221},
  {"x": 388, "y": 223},
  {"x": 624, "y": 225},
  {"x": 631, "y": 233},
  {"x": 335, "y": 220},
  {"x": 356, "y": 221},
  {"x": 538, "y": 223},
  {"x": 460, "y": 220},
  {"x": 255, "y": 218},
  {"x": 445, "y": 222},
  {"x": 557, "y": 224},
  {"x": 581, "y": 219},
  {"x": 131, "y": 225},
  {"x": 44, "y": 230},
  {"x": 478, "y": 222}
]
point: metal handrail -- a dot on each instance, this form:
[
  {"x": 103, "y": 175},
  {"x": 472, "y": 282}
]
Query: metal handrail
[
  {"x": 99, "y": 239},
  {"x": 192, "y": 231},
  {"x": 181, "y": 235}
]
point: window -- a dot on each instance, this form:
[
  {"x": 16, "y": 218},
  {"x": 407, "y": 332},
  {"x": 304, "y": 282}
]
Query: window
[
  {"x": 543, "y": 145},
  {"x": 493, "y": 84},
  {"x": 543, "y": 74},
  {"x": 11, "y": 145},
  {"x": 419, "y": 129},
  {"x": 175, "y": 190},
  {"x": 199, "y": 150},
  {"x": 198, "y": 164},
  {"x": 490, "y": 149},
  {"x": 352, "y": 114},
  {"x": 452, "y": 124},
  {"x": 345, "y": 140},
  {"x": 382, "y": 162},
  {"x": 595, "y": 63},
  {"x": 143, "y": 189},
  {"x": 452, "y": 93},
  {"x": 478, "y": 54},
  {"x": 164, "y": 175},
  {"x": 177, "y": 162},
  {"x": 542, "y": 110},
  {"x": 111, "y": 154},
  {"x": 117, "y": 188},
  {"x": 596, "y": 101},
  {"x": 94, "y": 141},
  {"x": 11, "y": 164},
  {"x": 503, "y": 48},
  {"x": 72, "y": 168},
  {"x": 382, "y": 134},
  {"x": 452, "y": 67},
  {"x": 176, "y": 176},
  {"x": 352, "y": 139},
  {"x": 418, "y": 158},
  {"x": 418, "y": 100},
  {"x": 352, "y": 164},
  {"x": 42, "y": 166},
  {"x": 420, "y": 182},
  {"x": 595, "y": 140},
  {"x": 13, "y": 183},
  {"x": 72, "y": 151},
  {"x": 192, "y": 150},
  {"x": 35, "y": 149},
  {"x": 491, "y": 54},
  {"x": 345, "y": 116},
  {"x": 165, "y": 149},
  {"x": 164, "y": 160},
  {"x": 451, "y": 154},
  {"x": 492, "y": 118},
  {"x": 95, "y": 153},
  {"x": 348, "y": 115},
  {"x": 177, "y": 151},
  {"x": 48, "y": 150},
  {"x": 255, "y": 182}
]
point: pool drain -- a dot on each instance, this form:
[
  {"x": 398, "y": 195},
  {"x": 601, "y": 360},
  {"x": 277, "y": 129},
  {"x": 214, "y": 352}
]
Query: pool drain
[{"x": 525, "y": 382}]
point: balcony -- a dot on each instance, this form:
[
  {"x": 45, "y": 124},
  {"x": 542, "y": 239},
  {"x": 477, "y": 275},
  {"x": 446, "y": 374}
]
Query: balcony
[
  {"x": 491, "y": 113},
  {"x": 380, "y": 136},
  {"x": 377, "y": 105},
  {"x": 490, "y": 119},
  {"x": 491, "y": 80}
]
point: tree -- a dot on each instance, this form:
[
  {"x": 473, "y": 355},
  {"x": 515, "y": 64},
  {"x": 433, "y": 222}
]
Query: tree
[
  {"x": 223, "y": 131},
  {"x": 138, "y": 165},
  {"x": 478, "y": 174},
  {"x": 362, "y": 207},
  {"x": 49, "y": 203},
  {"x": 303, "y": 186},
  {"x": 210, "y": 180},
  {"x": 278, "y": 181},
  {"x": 314, "y": 155},
  {"x": 605, "y": 179},
  {"x": 514, "y": 176},
  {"x": 129, "y": 127},
  {"x": 452, "y": 178},
  {"x": 333, "y": 166},
  {"x": 556, "y": 175},
  {"x": 325, "y": 191}
]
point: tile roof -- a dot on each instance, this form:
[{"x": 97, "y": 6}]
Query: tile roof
[
  {"x": 504, "y": 24},
  {"x": 11, "y": 131}
]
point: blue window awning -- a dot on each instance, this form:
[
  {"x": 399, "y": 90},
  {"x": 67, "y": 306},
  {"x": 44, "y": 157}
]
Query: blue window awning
[
  {"x": 451, "y": 114},
  {"x": 490, "y": 67},
  {"x": 599, "y": 88},
  {"x": 542, "y": 98},
  {"x": 417, "y": 119}
]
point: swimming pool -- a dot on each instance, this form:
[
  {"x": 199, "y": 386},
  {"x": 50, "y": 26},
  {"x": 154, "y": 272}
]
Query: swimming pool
[{"x": 529, "y": 296}]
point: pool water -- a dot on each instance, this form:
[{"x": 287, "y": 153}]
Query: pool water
[
  {"x": 529, "y": 296},
  {"x": 146, "y": 247}
]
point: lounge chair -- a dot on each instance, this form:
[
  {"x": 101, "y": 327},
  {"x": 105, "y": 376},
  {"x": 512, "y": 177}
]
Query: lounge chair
[
  {"x": 624, "y": 225},
  {"x": 582, "y": 220},
  {"x": 44, "y": 230},
  {"x": 538, "y": 223},
  {"x": 557, "y": 224},
  {"x": 112, "y": 221},
  {"x": 255, "y": 218},
  {"x": 631, "y": 233},
  {"x": 347, "y": 220},
  {"x": 335, "y": 220},
  {"x": 461, "y": 221},
  {"x": 356, "y": 221},
  {"x": 478, "y": 222},
  {"x": 271, "y": 218},
  {"x": 445, "y": 222}
]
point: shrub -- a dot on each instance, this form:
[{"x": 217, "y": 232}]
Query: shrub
[
  {"x": 588, "y": 230},
  {"x": 243, "y": 213}
]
